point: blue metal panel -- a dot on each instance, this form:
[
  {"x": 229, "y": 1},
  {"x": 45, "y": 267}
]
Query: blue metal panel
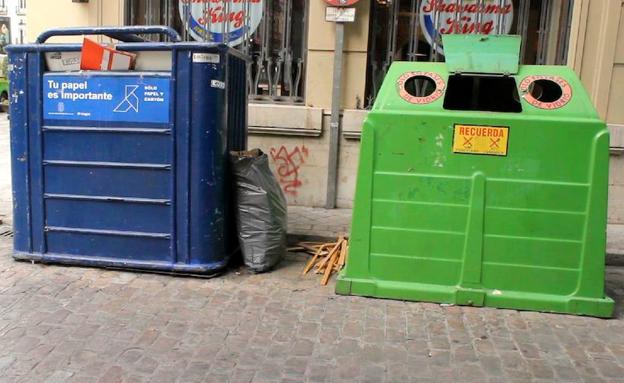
[
  {"x": 120, "y": 247},
  {"x": 20, "y": 155},
  {"x": 35, "y": 68},
  {"x": 113, "y": 145},
  {"x": 182, "y": 69},
  {"x": 144, "y": 188},
  {"x": 107, "y": 181},
  {"x": 111, "y": 215},
  {"x": 208, "y": 144}
]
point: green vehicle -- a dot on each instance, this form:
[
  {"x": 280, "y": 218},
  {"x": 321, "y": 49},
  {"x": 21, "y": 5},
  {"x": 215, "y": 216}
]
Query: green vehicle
[
  {"x": 4, "y": 85},
  {"x": 4, "y": 91}
]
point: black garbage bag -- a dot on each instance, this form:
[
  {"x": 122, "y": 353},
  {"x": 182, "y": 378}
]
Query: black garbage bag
[{"x": 261, "y": 216}]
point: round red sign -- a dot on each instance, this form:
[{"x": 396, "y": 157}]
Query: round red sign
[
  {"x": 436, "y": 93},
  {"x": 541, "y": 95},
  {"x": 341, "y": 3}
]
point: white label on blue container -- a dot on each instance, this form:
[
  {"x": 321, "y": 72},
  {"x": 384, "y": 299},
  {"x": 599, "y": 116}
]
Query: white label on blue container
[
  {"x": 211, "y": 58},
  {"x": 107, "y": 98},
  {"x": 217, "y": 84}
]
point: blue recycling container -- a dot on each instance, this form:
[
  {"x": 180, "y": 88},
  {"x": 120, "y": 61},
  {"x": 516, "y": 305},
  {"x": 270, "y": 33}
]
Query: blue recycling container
[{"x": 126, "y": 169}]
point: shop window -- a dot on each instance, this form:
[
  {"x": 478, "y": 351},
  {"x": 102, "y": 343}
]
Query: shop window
[
  {"x": 271, "y": 32},
  {"x": 410, "y": 30}
]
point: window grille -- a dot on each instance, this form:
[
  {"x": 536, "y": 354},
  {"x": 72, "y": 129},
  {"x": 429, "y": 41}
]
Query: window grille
[{"x": 276, "y": 48}]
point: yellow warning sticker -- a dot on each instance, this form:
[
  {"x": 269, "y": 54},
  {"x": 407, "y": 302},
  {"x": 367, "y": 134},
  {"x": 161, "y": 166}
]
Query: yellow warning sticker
[{"x": 481, "y": 139}]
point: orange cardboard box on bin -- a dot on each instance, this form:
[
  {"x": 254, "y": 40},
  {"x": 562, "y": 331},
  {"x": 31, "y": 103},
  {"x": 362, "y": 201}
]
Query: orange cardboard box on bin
[{"x": 99, "y": 57}]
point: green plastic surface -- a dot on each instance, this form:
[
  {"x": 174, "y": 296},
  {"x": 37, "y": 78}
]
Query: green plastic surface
[
  {"x": 482, "y": 53},
  {"x": 524, "y": 231}
]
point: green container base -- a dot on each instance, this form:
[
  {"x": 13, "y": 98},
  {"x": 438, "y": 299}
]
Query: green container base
[{"x": 457, "y": 295}]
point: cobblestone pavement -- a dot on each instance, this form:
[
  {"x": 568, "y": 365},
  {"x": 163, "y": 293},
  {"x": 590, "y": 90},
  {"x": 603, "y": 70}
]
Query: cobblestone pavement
[
  {"x": 74, "y": 324},
  {"x": 69, "y": 324}
]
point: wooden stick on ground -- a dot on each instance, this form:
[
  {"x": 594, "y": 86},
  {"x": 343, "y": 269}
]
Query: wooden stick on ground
[
  {"x": 321, "y": 266},
  {"x": 312, "y": 248},
  {"x": 330, "y": 266},
  {"x": 313, "y": 260},
  {"x": 343, "y": 255},
  {"x": 327, "y": 258}
]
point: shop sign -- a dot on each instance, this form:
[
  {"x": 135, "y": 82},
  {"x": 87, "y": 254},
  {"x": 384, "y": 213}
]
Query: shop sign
[
  {"x": 462, "y": 17},
  {"x": 341, "y": 3},
  {"x": 221, "y": 21},
  {"x": 340, "y": 14}
]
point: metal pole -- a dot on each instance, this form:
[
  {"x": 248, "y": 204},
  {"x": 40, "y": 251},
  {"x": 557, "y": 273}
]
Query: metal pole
[
  {"x": 412, "y": 33},
  {"x": 436, "y": 37},
  {"x": 523, "y": 22},
  {"x": 478, "y": 24},
  {"x": 500, "y": 17},
  {"x": 458, "y": 16},
  {"x": 334, "y": 126},
  {"x": 564, "y": 33},
  {"x": 542, "y": 43}
]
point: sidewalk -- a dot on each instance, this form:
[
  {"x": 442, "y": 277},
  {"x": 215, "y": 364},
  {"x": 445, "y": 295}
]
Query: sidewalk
[{"x": 75, "y": 324}]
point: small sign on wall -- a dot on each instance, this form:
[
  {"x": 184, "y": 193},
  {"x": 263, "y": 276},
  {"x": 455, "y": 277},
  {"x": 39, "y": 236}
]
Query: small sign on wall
[
  {"x": 341, "y": 3},
  {"x": 340, "y": 15}
]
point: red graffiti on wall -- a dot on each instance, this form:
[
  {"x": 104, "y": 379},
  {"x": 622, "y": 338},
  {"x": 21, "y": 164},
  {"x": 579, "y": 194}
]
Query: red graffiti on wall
[{"x": 287, "y": 164}]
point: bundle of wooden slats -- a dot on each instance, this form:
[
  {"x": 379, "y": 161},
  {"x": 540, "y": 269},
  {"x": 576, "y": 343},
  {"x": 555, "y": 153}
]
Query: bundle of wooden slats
[{"x": 327, "y": 258}]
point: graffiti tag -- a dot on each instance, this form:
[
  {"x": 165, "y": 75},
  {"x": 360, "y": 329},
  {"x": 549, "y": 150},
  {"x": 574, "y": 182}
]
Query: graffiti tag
[{"x": 287, "y": 164}]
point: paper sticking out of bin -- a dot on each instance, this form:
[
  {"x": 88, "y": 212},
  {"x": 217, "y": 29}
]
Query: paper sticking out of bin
[
  {"x": 99, "y": 57},
  {"x": 482, "y": 183}
]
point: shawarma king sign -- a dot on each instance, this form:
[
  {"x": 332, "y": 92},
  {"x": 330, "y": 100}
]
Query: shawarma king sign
[
  {"x": 463, "y": 17},
  {"x": 221, "y": 21}
]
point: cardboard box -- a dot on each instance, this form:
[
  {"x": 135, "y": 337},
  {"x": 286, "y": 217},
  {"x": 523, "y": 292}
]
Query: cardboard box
[
  {"x": 99, "y": 57},
  {"x": 63, "y": 61}
]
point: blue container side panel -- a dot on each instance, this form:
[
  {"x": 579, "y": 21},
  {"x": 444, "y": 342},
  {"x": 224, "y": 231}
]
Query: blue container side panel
[
  {"x": 20, "y": 154},
  {"x": 120, "y": 145},
  {"x": 182, "y": 106},
  {"x": 91, "y": 246},
  {"x": 208, "y": 145},
  {"x": 118, "y": 216},
  {"x": 108, "y": 181},
  {"x": 36, "y": 66}
]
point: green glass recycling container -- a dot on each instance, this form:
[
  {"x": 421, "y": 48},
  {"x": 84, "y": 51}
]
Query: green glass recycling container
[{"x": 482, "y": 182}]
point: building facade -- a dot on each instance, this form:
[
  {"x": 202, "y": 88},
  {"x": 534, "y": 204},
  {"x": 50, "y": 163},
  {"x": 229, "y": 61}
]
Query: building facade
[
  {"x": 291, "y": 46},
  {"x": 12, "y": 22}
]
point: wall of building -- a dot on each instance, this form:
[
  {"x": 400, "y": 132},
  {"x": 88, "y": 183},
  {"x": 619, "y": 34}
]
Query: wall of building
[
  {"x": 299, "y": 149},
  {"x": 295, "y": 137},
  {"x": 18, "y": 20},
  {"x": 597, "y": 55},
  {"x": 44, "y": 14}
]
